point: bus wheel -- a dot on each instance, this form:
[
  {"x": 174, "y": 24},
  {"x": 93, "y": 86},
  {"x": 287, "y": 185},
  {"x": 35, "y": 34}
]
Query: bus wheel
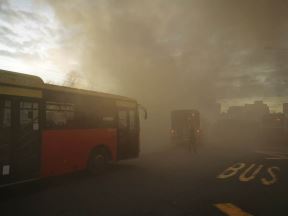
[{"x": 98, "y": 161}]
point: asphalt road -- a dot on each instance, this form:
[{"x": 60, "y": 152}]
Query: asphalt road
[{"x": 216, "y": 181}]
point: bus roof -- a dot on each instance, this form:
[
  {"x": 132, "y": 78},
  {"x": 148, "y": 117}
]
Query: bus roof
[
  {"x": 185, "y": 111},
  {"x": 29, "y": 81},
  {"x": 51, "y": 87},
  {"x": 19, "y": 79}
]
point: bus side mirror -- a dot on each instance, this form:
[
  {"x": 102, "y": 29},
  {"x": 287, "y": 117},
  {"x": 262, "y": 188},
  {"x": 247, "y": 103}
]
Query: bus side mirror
[
  {"x": 144, "y": 111},
  {"x": 145, "y": 115}
]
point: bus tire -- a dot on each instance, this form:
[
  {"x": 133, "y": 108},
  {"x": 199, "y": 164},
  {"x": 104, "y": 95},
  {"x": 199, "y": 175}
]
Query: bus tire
[{"x": 98, "y": 161}]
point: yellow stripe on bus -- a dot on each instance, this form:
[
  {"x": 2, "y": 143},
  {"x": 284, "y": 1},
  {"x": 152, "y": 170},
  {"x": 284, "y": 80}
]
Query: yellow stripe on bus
[
  {"x": 231, "y": 210},
  {"x": 24, "y": 92}
]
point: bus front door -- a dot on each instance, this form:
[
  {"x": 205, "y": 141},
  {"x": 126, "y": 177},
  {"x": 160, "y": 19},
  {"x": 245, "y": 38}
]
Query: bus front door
[
  {"x": 5, "y": 140},
  {"x": 26, "y": 149},
  {"x": 128, "y": 134},
  {"x": 19, "y": 140}
]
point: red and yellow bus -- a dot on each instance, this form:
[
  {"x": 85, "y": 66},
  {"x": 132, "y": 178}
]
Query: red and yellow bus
[{"x": 48, "y": 130}]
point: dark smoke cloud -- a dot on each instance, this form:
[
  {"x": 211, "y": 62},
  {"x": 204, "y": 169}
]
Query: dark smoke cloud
[
  {"x": 142, "y": 44},
  {"x": 177, "y": 48},
  {"x": 180, "y": 54}
]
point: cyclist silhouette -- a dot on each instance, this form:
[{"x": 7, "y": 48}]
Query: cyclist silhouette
[{"x": 192, "y": 137}]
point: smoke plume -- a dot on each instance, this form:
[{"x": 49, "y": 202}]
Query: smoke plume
[{"x": 179, "y": 54}]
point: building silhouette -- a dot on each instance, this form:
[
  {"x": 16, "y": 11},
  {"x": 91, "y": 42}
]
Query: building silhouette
[{"x": 249, "y": 112}]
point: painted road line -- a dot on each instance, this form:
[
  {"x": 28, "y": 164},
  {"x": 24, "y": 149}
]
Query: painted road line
[
  {"x": 231, "y": 210},
  {"x": 274, "y": 155}
]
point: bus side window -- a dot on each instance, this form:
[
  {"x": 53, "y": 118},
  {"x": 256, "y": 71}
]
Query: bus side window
[
  {"x": 132, "y": 120},
  {"x": 95, "y": 113},
  {"x": 5, "y": 132},
  {"x": 59, "y": 115},
  {"x": 5, "y": 114},
  {"x": 29, "y": 115},
  {"x": 108, "y": 121},
  {"x": 123, "y": 119},
  {"x": 86, "y": 119}
]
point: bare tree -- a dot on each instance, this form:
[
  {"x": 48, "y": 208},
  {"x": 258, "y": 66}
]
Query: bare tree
[{"x": 72, "y": 79}]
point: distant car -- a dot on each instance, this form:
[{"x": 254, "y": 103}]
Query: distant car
[{"x": 181, "y": 122}]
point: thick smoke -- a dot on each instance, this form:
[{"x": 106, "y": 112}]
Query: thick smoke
[{"x": 179, "y": 54}]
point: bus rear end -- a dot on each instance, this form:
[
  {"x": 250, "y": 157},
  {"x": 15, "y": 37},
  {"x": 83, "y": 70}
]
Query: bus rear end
[{"x": 181, "y": 122}]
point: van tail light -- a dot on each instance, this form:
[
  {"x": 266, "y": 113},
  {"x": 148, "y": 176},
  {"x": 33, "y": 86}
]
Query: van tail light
[{"x": 173, "y": 132}]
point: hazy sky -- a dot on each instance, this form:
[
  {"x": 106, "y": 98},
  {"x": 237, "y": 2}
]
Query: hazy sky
[
  {"x": 186, "y": 52},
  {"x": 31, "y": 39}
]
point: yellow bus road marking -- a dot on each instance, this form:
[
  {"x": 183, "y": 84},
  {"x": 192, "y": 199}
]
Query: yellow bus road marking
[
  {"x": 231, "y": 210},
  {"x": 250, "y": 172},
  {"x": 274, "y": 155}
]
